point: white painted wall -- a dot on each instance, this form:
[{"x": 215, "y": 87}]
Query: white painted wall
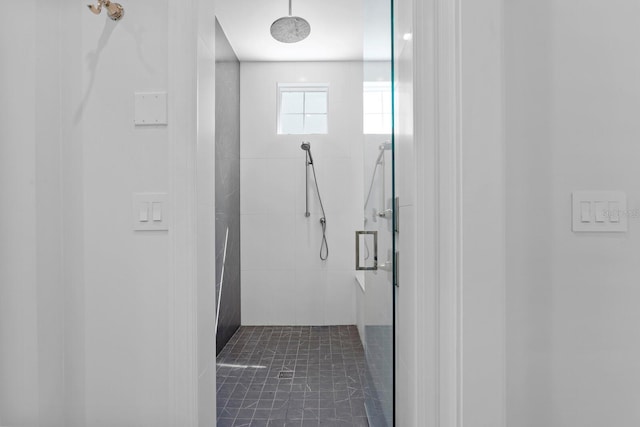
[
  {"x": 72, "y": 211},
  {"x": 32, "y": 297},
  {"x": 126, "y": 273},
  {"x": 88, "y": 313},
  {"x": 205, "y": 229},
  {"x": 482, "y": 233},
  {"x": 49, "y": 212},
  {"x": 18, "y": 259},
  {"x": 283, "y": 280},
  {"x": 572, "y": 103}
]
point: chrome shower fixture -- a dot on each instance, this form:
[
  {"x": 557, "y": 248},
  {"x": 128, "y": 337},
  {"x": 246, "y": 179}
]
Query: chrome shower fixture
[
  {"x": 307, "y": 147},
  {"x": 115, "y": 11},
  {"x": 324, "y": 246},
  {"x": 290, "y": 29}
]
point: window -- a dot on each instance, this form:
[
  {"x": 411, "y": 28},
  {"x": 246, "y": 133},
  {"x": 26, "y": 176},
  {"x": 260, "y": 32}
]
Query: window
[
  {"x": 376, "y": 101},
  {"x": 302, "y": 109}
]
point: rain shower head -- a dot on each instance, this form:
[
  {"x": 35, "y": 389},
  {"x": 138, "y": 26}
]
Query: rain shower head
[{"x": 290, "y": 29}]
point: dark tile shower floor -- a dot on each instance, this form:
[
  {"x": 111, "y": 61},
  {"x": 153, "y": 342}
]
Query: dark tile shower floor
[{"x": 291, "y": 376}]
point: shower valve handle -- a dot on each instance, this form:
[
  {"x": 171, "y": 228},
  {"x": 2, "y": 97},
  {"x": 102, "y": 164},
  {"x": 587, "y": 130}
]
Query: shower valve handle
[{"x": 386, "y": 213}]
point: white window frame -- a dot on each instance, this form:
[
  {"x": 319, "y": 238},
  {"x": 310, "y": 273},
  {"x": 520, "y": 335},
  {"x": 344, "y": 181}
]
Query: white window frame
[{"x": 305, "y": 88}]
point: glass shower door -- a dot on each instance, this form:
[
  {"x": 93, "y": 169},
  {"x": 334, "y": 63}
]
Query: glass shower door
[{"x": 376, "y": 242}]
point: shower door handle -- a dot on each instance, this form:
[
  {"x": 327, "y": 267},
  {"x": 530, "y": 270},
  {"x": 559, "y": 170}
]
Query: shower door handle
[{"x": 359, "y": 236}]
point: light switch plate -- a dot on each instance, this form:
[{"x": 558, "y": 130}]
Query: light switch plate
[
  {"x": 150, "y": 108},
  {"x": 157, "y": 209},
  {"x": 600, "y": 211}
]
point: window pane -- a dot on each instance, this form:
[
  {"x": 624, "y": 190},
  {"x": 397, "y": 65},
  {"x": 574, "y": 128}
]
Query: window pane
[
  {"x": 291, "y": 102},
  {"x": 316, "y": 102},
  {"x": 386, "y": 123},
  {"x": 291, "y": 123},
  {"x": 372, "y": 102},
  {"x": 297, "y": 103},
  {"x": 372, "y": 123},
  {"x": 315, "y": 123}
]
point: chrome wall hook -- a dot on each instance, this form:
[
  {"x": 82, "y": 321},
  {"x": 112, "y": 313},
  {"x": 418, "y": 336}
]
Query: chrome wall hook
[{"x": 115, "y": 11}]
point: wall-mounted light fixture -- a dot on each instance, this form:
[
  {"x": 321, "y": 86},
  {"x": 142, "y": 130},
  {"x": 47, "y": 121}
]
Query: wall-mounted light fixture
[{"x": 115, "y": 11}]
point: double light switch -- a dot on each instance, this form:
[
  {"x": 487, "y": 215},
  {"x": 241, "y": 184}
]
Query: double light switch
[
  {"x": 155, "y": 208},
  {"x": 150, "y": 211},
  {"x": 599, "y": 211}
]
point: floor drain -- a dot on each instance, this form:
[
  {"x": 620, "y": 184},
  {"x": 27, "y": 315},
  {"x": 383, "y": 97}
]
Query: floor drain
[{"x": 285, "y": 375}]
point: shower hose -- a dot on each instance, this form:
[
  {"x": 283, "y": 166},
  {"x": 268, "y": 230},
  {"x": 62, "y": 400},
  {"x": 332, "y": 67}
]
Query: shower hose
[{"x": 324, "y": 246}]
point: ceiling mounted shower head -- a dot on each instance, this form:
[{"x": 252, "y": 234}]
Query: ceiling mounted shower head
[{"x": 290, "y": 29}]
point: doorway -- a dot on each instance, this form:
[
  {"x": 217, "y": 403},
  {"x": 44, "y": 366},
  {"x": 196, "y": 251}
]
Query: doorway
[{"x": 314, "y": 344}]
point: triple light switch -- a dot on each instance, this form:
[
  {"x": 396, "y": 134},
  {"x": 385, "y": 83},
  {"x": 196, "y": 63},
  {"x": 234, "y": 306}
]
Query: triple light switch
[{"x": 599, "y": 211}]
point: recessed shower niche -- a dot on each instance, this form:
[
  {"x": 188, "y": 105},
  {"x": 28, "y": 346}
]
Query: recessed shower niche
[{"x": 313, "y": 343}]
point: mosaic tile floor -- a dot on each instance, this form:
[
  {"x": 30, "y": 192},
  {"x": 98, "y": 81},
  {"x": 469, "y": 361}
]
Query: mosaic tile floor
[{"x": 291, "y": 376}]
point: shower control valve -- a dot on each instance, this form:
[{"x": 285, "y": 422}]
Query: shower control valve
[{"x": 386, "y": 213}]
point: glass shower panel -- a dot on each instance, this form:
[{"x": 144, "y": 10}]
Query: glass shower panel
[{"x": 378, "y": 215}]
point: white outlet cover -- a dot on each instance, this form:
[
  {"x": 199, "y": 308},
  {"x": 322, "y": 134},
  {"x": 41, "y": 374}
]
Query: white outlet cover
[{"x": 150, "y": 108}]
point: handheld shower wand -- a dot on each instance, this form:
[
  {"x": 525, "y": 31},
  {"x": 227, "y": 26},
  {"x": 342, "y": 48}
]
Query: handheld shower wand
[
  {"x": 308, "y": 161},
  {"x": 324, "y": 246},
  {"x": 307, "y": 147}
]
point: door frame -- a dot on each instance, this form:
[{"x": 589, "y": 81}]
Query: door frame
[
  {"x": 460, "y": 177},
  {"x": 458, "y": 169}
]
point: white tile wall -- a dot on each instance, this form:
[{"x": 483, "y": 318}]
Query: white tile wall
[
  {"x": 340, "y": 297},
  {"x": 340, "y": 237},
  {"x": 339, "y": 182},
  {"x": 267, "y": 297},
  {"x": 268, "y": 187},
  {"x": 268, "y": 242},
  {"x": 283, "y": 279},
  {"x": 310, "y": 296}
]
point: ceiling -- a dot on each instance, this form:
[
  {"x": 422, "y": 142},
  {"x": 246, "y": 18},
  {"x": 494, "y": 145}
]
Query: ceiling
[{"x": 336, "y": 29}]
